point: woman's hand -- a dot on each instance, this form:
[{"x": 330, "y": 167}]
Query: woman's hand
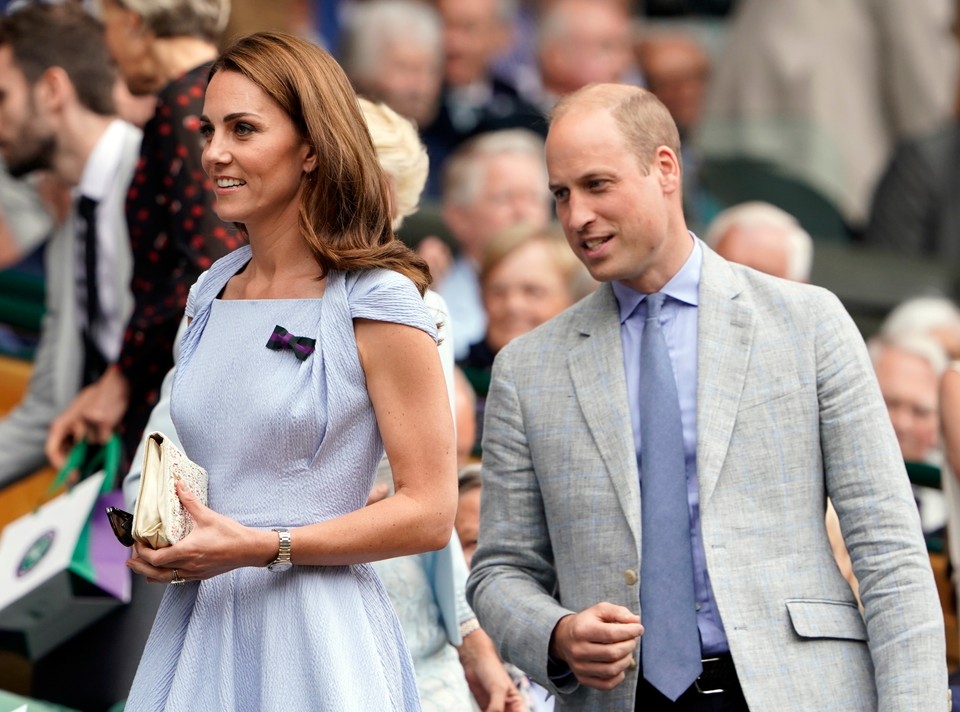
[{"x": 216, "y": 545}]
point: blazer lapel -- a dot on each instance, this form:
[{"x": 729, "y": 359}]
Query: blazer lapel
[
  {"x": 725, "y": 338},
  {"x": 596, "y": 370}
]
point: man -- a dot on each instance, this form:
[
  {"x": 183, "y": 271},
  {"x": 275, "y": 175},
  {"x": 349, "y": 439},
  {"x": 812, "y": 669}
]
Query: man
[
  {"x": 762, "y": 236},
  {"x": 492, "y": 182},
  {"x": 473, "y": 101},
  {"x": 580, "y": 42},
  {"x": 393, "y": 52},
  {"x": 623, "y": 573},
  {"x": 57, "y": 112}
]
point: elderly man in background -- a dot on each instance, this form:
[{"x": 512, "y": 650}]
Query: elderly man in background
[
  {"x": 763, "y": 236},
  {"x": 393, "y": 53},
  {"x": 492, "y": 182}
]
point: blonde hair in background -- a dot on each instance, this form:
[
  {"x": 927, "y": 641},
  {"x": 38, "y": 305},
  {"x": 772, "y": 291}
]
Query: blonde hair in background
[
  {"x": 402, "y": 155},
  {"x": 572, "y": 271},
  {"x": 206, "y": 19}
]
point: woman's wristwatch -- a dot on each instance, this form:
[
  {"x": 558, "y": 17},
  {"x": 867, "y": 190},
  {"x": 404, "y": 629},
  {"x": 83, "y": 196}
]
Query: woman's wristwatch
[{"x": 282, "y": 562}]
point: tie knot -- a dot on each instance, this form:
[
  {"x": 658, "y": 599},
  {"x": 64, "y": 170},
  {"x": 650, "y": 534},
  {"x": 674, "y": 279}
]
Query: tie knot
[
  {"x": 86, "y": 207},
  {"x": 655, "y": 304}
]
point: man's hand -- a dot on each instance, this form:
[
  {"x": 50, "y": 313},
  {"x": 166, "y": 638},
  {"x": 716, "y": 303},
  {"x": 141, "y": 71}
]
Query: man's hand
[
  {"x": 488, "y": 679},
  {"x": 94, "y": 414},
  {"x": 598, "y": 644}
]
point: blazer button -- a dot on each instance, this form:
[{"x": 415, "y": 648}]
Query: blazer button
[{"x": 630, "y": 576}]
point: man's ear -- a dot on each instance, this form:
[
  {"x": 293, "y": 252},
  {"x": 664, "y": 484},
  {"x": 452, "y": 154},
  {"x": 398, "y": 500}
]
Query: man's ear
[
  {"x": 53, "y": 89},
  {"x": 667, "y": 164}
]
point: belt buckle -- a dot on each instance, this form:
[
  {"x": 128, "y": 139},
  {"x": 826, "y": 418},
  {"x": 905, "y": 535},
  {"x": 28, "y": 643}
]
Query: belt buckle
[{"x": 696, "y": 683}]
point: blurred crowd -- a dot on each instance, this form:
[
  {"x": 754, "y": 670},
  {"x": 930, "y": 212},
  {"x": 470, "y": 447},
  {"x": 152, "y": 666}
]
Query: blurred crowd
[{"x": 802, "y": 122}]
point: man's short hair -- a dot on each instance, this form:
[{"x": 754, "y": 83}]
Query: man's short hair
[
  {"x": 64, "y": 36},
  {"x": 372, "y": 25},
  {"x": 644, "y": 121},
  {"x": 463, "y": 171},
  {"x": 756, "y": 214}
]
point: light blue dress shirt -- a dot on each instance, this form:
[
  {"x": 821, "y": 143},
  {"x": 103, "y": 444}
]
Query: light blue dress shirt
[{"x": 679, "y": 324}]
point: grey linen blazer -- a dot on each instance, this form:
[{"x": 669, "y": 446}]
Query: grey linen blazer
[{"x": 788, "y": 413}]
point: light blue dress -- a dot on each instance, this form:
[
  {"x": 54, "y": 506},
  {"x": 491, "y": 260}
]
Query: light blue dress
[{"x": 286, "y": 443}]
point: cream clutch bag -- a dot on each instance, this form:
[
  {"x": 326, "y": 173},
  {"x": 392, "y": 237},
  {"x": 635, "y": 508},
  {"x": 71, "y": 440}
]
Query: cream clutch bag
[{"x": 159, "y": 518}]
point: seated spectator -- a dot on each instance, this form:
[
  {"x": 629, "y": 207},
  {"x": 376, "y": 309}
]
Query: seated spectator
[
  {"x": 473, "y": 101},
  {"x": 676, "y": 68},
  {"x": 763, "y": 236},
  {"x": 492, "y": 182},
  {"x": 526, "y": 277},
  {"x": 908, "y": 368},
  {"x": 582, "y": 42},
  {"x": 933, "y": 316},
  {"x": 392, "y": 50}
]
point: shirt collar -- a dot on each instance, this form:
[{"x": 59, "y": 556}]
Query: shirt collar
[
  {"x": 99, "y": 172},
  {"x": 684, "y": 286}
]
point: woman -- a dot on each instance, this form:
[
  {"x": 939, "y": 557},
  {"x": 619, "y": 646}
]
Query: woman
[
  {"x": 527, "y": 276},
  {"x": 290, "y": 429},
  {"x": 163, "y": 48}
]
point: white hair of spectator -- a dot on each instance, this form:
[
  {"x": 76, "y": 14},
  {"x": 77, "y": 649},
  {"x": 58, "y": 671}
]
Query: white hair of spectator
[
  {"x": 755, "y": 215},
  {"x": 401, "y": 154},
  {"x": 370, "y": 26},
  {"x": 922, "y": 315},
  {"x": 463, "y": 173},
  {"x": 915, "y": 344}
]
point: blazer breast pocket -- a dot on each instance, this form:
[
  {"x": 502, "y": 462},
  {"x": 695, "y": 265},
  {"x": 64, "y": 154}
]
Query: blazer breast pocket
[
  {"x": 819, "y": 618},
  {"x": 768, "y": 393}
]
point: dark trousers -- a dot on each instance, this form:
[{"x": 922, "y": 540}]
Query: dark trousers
[{"x": 649, "y": 699}]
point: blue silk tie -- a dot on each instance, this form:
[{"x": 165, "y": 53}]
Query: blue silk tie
[{"x": 671, "y": 641}]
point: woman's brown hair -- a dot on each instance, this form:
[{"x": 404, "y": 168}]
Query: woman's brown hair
[{"x": 344, "y": 205}]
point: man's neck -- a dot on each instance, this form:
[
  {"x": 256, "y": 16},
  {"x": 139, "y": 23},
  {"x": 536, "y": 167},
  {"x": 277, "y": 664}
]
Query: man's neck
[{"x": 78, "y": 136}]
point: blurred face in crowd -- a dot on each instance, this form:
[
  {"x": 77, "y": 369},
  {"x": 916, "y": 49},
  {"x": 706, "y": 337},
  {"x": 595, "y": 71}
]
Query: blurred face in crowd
[
  {"x": 27, "y": 141},
  {"x": 590, "y": 43},
  {"x": 910, "y": 390},
  {"x": 676, "y": 69},
  {"x": 619, "y": 220},
  {"x": 472, "y": 35},
  {"x": 511, "y": 192},
  {"x": 407, "y": 80},
  {"x": 763, "y": 249},
  {"x": 129, "y": 46},
  {"x": 521, "y": 292},
  {"x": 467, "y": 522},
  {"x": 252, "y": 153}
]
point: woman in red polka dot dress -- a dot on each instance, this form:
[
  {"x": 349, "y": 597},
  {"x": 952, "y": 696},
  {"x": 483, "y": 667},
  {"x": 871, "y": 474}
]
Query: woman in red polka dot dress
[{"x": 167, "y": 49}]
